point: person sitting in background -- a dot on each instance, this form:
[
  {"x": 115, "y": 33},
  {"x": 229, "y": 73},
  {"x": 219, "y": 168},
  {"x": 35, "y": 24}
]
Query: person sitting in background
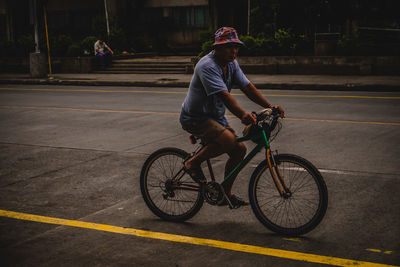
[{"x": 103, "y": 52}]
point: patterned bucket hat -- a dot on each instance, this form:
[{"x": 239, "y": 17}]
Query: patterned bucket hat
[{"x": 226, "y": 35}]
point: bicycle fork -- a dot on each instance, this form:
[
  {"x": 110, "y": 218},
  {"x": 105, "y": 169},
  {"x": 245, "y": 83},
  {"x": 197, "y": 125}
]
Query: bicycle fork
[{"x": 276, "y": 174}]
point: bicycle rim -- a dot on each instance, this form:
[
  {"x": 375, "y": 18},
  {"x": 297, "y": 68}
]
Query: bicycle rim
[
  {"x": 169, "y": 193},
  {"x": 297, "y": 214}
]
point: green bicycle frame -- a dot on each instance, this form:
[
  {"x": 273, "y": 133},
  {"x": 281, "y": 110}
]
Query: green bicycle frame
[{"x": 262, "y": 142}]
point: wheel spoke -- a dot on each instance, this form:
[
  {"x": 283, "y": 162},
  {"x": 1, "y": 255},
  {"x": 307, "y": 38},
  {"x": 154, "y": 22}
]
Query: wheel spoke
[
  {"x": 297, "y": 213},
  {"x": 170, "y": 198}
]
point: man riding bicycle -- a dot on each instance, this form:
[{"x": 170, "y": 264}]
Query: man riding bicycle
[{"x": 203, "y": 110}]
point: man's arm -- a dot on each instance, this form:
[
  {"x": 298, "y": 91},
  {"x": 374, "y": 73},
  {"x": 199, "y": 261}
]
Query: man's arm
[
  {"x": 233, "y": 106},
  {"x": 109, "y": 49},
  {"x": 254, "y": 95}
]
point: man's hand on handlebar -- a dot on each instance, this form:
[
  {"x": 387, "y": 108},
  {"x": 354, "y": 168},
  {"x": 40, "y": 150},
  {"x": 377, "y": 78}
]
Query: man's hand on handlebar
[
  {"x": 281, "y": 111},
  {"x": 249, "y": 118}
]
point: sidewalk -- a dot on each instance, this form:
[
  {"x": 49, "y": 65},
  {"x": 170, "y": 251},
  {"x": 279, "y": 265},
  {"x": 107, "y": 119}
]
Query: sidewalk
[{"x": 261, "y": 81}]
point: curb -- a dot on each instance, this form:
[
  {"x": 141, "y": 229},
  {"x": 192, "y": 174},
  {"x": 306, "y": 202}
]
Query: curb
[
  {"x": 331, "y": 87},
  {"x": 95, "y": 83},
  {"x": 278, "y": 86}
]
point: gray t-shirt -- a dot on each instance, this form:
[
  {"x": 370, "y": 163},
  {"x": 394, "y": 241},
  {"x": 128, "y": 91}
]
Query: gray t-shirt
[
  {"x": 99, "y": 47},
  {"x": 201, "y": 102}
]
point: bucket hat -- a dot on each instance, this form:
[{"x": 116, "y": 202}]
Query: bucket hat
[{"x": 226, "y": 35}]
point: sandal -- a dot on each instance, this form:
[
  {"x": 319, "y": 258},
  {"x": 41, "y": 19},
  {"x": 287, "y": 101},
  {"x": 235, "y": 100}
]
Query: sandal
[{"x": 196, "y": 174}]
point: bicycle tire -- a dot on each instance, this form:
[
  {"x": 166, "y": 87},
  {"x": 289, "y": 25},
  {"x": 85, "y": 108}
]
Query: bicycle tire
[
  {"x": 160, "y": 167},
  {"x": 288, "y": 216}
]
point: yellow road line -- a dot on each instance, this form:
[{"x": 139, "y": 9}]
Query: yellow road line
[
  {"x": 91, "y": 110},
  {"x": 184, "y": 92},
  {"x": 93, "y": 90},
  {"x": 379, "y": 251},
  {"x": 294, "y": 239},
  {"x": 285, "y": 254},
  {"x": 344, "y": 121},
  {"x": 177, "y": 113},
  {"x": 336, "y": 96},
  {"x": 374, "y": 250}
]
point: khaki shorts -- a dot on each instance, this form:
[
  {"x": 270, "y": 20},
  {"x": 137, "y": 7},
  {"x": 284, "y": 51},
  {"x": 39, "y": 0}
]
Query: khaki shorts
[{"x": 208, "y": 130}]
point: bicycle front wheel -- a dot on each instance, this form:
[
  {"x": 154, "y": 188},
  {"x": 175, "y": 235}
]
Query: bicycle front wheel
[
  {"x": 294, "y": 214},
  {"x": 168, "y": 191}
]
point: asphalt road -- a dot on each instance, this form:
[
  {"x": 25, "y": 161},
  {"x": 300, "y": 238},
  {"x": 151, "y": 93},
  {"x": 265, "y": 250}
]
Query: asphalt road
[{"x": 71, "y": 157}]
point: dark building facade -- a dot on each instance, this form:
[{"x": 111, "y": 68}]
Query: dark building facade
[{"x": 175, "y": 23}]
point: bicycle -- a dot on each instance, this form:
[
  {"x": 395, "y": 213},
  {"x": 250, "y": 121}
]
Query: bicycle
[{"x": 287, "y": 193}]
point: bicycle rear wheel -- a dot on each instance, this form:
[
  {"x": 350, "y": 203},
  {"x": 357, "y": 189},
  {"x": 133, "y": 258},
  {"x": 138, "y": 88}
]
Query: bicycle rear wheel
[
  {"x": 291, "y": 215},
  {"x": 168, "y": 191}
]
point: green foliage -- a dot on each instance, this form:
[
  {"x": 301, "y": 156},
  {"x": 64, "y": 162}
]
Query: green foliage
[
  {"x": 249, "y": 41},
  {"x": 74, "y": 50},
  {"x": 265, "y": 46},
  {"x": 25, "y": 44},
  {"x": 304, "y": 46},
  {"x": 264, "y": 16},
  {"x": 99, "y": 27},
  {"x": 250, "y": 45},
  {"x": 205, "y": 36},
  {"x": 87, "y": 44},
  {"x": 58, "y": 44},
  {"x": 283, "y": 42},
  {"x": 117, "y": 40},
  {"x": 206, "y": 48},
  {"x": 258, "y": 22},
  {"x": 7, "y": 48},
  {"x": 282, "y": 37},
  {"x": 349, "y": 45},
  {"x": 257, "y": 46}
]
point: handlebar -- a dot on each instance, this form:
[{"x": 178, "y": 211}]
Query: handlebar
[
  {"x": 268, "y": 119},
  {"x": 262, "y": 114}
]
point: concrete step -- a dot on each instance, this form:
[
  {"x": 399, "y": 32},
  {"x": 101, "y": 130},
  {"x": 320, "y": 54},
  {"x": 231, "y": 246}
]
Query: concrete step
[
  {"x": 138, "y": 72},
  {"x": 124, "y": 67},
  {"x": 148, "y": 70},
  {"x": 174, "y": 65},
  {"x": 155, "y": 63},
  {"x": 156, "y": 59},
  {"x": 145, "y": 71}
]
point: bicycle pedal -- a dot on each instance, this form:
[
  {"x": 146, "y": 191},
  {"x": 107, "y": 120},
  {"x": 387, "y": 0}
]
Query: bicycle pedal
[{"x": 234, "y": 207}]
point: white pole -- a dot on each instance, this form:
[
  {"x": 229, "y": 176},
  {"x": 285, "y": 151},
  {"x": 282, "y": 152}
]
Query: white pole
[
  {"x": 108, "y": 26},
  {"x": 35, "y": 22},
  {"x": 248, "y": 17}
]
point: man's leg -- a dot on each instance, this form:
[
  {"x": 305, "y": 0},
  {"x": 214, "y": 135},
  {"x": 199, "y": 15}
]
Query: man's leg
[
  {"x": 222, "y": 144},
  {"x": 225, "y": 143},
  {"x": 107, "y": 58},
  {"x": 236, "y": 155},
  {"x": 101, "y": 59}
]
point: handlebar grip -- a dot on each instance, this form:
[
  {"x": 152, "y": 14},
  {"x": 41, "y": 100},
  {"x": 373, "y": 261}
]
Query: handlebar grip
[{"x": 276, "y": 111}]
